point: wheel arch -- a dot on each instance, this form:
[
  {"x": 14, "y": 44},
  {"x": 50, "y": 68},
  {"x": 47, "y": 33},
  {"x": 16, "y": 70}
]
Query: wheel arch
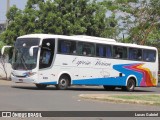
[
  {"x": 132, "y": 77},
  {"x": 65, "y": 74}
]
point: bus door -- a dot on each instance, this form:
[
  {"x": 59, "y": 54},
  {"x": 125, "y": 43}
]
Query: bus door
[{"x": 46, "y": 59}]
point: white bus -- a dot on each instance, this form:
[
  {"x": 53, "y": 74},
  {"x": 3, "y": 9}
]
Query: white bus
[{"x": 60, "y": 60}]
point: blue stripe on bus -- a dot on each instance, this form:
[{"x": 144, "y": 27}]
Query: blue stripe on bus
[
  {"x": 118, "y": 81},
  {"x": 48, "y": 83},
  {"x": 125, "y": 69},
  {"x": 129, "y": 69},
  {"x": 115, "y": 81}
]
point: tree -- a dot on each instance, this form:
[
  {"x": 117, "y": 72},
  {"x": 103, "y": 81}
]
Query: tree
[
  {"x": 10, "y": 34},
  {"x": 4, "y": 59},
  {"x": 69, "y": 17},
  {"x": 140, "y": 19},
  {"x": 3, "y": 66},
  {"x": 1, "y": 43}
]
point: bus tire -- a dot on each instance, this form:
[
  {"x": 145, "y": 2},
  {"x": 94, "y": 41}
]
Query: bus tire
[
  {"x": 130, "y": 85},
  {"x": 109, "y": 88},
  {"x": 63, "y": 83},
  {"x": 41, "y": 86}
]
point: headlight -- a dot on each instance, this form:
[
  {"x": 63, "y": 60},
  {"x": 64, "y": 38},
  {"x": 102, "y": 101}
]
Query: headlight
[
  {"x": 28, "y": 74},
  {"x": 31, "y": 73}
]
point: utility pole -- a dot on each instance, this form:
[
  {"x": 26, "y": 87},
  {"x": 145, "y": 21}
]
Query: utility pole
[{"x": 8, "y": 7}]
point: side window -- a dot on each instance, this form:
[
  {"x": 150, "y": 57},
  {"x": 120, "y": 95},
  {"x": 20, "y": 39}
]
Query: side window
[
  {"x": 47, "y": 53},
  {"x": 149, "y": 55},
  {"x": 86, "y": 49},
  {"x": 120, "y": 52},
  {"x": 108, "y": 51},
  {"x": 135, "y": 54},
  {"x": 66, "y": 47},
  {"x": 103, "y": 51},
  {"x": 100, "y": 50}
]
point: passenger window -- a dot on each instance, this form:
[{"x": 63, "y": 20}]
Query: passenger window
[
  {"x": 66, "y": 47},
  {"x": 119, "y": 52},
  {"x": 86, "y": 49},
  {"x": 108, "y": 51},
  {"x": 100, "y": 51},
  {"x": 149, "y": 55},
  {"x": 135, "y": 54},
  {"x": 103, "y": 51}
]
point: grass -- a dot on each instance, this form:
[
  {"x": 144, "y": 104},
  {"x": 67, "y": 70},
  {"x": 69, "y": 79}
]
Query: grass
[
  {"x": 139, "y": 97},
  {"x": 146, "y": 99},
  {"x": 151, "y": 99}
]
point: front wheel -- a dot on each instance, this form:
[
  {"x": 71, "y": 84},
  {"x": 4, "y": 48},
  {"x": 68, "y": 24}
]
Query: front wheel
[
  {"x": 130, "y": 85},
  {"x": 63, "y": 83},
  {"x": 41, "y": 86}
]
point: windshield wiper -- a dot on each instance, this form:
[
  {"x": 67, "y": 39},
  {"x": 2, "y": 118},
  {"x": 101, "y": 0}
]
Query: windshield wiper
[
  {"x": 22, "y": 59},
  {"x": 23, "y": 62}
]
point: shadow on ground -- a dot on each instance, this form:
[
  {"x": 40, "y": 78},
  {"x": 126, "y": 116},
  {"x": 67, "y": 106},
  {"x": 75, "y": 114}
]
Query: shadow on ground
[{"x": 82, "y": 88}]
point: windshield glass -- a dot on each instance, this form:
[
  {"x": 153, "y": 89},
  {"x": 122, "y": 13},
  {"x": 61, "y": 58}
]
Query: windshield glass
[{"x": 21, "y": 58}]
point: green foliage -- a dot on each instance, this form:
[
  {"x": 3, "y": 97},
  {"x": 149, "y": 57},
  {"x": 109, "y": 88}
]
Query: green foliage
[
  {"x": 137, "y": 19},
  {"x": 1, "y": 44},
  {"x": 141, "y": 20},
  {"x": 67, "y": 17}
]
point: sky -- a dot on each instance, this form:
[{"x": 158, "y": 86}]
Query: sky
[{"x": 3, "y": 3}]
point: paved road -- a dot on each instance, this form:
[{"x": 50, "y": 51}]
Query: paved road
[{"x": 22, "y": 97}]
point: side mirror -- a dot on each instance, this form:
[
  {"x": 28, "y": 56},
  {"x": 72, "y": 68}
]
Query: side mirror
[
  {"x": 31, "y": 50},
  {"x": 3, "y": 48}
]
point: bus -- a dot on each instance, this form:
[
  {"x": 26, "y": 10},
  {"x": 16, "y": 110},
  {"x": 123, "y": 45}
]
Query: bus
[{"x": 60, "y": 60}]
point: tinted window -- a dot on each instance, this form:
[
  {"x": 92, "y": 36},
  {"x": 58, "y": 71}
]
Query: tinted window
[
  {"x": 135, "y": 54},
  {"x": 27, "y": 42},
  {"x": 66, "y": 47},
  {"x": 86, "y": 49},
  {"x": 120, "y": 52},
  {"x": 149, "y": 55},
  {"x": 21, "y": 58},
  {"x": 47, "y": 53},
  {"x": 103, "y": 51}
]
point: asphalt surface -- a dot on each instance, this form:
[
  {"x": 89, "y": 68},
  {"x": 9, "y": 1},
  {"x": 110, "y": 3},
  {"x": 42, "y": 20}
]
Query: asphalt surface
[{"x": 26, "y": 97}]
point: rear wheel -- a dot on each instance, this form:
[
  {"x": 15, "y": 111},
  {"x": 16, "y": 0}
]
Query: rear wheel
[
  {"x": 130, "y": 85},
  {"x": 109, "y": 88},
  {"x": 63, "y": 83},
  {"x": 41, "y": 86}
]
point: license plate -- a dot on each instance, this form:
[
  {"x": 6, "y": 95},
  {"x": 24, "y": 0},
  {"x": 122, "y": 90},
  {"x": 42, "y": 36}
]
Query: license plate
[{"x": 20, "y": 80}]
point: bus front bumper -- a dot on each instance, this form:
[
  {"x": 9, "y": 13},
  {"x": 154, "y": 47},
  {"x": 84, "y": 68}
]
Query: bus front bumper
[{"x": 23, "y": 79}]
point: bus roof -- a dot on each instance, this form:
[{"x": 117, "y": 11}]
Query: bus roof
[
  {"x": 88, "y": 39},
  {"x": 95, "y": 38},
  {"x": 70, "y": 37}
]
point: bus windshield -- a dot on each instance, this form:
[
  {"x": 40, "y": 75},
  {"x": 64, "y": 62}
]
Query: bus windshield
[{"x": 21, "y": 58}]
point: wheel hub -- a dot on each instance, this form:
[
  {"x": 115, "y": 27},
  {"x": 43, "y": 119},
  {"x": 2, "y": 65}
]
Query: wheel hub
[{"x": 63, "y": 82}]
